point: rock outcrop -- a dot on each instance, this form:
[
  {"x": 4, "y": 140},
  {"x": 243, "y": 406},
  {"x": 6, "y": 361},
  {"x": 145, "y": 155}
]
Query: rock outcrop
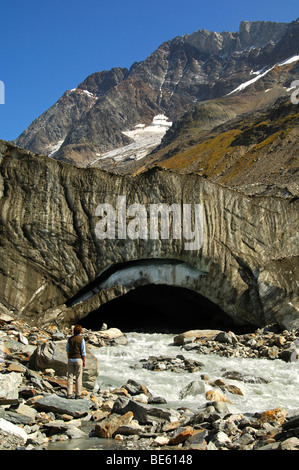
[{"x": 246, "y": 262}]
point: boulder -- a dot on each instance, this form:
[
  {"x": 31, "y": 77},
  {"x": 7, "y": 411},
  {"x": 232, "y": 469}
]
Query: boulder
[
  {"x": 234, "y": 389},
  {"x": 5, "y": 317},
  {"x": 11, "y": 428},
  {"x": 18, "y": 347},
  {"x": 135, "y": 388},
  {"x": 291, "y": 423},
  {"x": 16, "y": 367},
  {"x": 76, "y": 433},
  {"x": 221, "y": 439},
  {"x": 18, "y": 418},
  {"x": 130, "y": 429},
  {"x": 161, "y": 441},
  {"x": 197, "y": 441},
  {"x": 194, "y": 388},
  {"x": 9, "y": 384},
  {"x": 224, "y": 337},
  {"x": 56, "y": 404},
  {"x": 181, "y": 435},
  {"x": 276, "y": 415},
  {"x": 111, "y": 333},
  {"x": 110, "y": 425},
  {"x": 192, "y": 335},
  {"x": 289, "y": 444},
  {"x": 52, "y": 355},
  {"x": 99, "y": 415},
  {"x": 246, "y": 378},
  {"x": 217, "y": 395},
  {"x": 218, "y": 407},
  {"x": 26, "y": 410},
  {"x": 58, "y": 426},
  {"x": 144, "y": 413}
]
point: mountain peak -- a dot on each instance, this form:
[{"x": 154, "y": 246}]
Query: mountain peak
[
  {"x": 100, "y": 115},
  {"x": 251, "y": 33},
  {"x": 99, "y": 83},
  {"x": 260, "y": 33}
]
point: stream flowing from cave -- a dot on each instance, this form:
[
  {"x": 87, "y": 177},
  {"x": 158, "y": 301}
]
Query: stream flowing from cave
[{"x": 120, "y": 363}]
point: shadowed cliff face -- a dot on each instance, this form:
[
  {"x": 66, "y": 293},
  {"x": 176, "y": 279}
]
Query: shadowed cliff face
[{"x": 245, "y": 264}]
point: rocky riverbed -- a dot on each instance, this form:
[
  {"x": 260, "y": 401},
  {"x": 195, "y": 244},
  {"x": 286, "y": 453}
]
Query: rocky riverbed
[{"x": 35, "y": 413}]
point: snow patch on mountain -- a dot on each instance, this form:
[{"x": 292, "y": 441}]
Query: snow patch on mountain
[
  {"x": 295, "y": 58},
  {"x": 54, "y": 149},
  {"x": 259, "y": 74},
  {"x": 145, "y": 138},
  {"x": 86, "y": 92},
  {"x": 250, "y": 82}
]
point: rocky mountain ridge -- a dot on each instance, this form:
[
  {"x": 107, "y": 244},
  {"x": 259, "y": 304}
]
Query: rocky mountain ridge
[{"x": 94, "y": 118}]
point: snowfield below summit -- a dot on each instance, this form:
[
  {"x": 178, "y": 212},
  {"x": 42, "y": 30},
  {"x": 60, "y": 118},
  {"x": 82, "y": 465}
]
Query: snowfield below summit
[{"x": 146, "y": 138}]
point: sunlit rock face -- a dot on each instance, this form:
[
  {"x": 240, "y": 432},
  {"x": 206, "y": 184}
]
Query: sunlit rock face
[{"x": 52, "y": 252}]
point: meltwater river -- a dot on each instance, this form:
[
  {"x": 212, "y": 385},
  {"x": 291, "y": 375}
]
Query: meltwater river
[{"x": 117, "y": 365}]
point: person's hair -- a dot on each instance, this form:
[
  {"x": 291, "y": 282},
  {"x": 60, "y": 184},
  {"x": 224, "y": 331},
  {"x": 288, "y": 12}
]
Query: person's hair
[{"x": 77, "y": 329}]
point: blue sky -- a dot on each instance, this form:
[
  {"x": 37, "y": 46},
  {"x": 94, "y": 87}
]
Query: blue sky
[{"x": 47, "y": 47}]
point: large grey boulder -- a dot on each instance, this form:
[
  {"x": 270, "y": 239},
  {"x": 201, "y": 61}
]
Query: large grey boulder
[
  {"x": 192, "y": 335},
  {"x": 53, "y": 355},
  {"x": 60, "y": 405},
  {"x": 194, "y": 388},
  {"x": 144, "y": 413}
]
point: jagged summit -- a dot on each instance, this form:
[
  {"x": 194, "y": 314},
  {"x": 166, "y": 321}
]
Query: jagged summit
[
  {"x": 101, "y": 114},
  {"x": 251, "y": 34}
]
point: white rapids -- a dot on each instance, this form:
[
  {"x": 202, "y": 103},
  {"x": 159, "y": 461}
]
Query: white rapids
[{"x": 117, "y": 366}]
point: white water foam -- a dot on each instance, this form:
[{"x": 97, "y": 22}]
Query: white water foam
[{"x": 117, "y": 366}]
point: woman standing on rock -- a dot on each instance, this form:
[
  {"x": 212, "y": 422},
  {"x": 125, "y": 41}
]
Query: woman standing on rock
[{"x": 76, "y": 354}]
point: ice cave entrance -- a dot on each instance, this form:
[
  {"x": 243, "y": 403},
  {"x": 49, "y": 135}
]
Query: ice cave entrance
[
  {"x": 159, "y": 309},
  {"x": 161, "y": 297}
]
